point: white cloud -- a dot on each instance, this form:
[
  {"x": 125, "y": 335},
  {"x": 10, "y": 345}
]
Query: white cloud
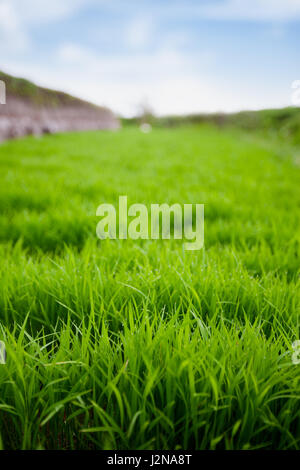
[
  {"x": 73, "y": 53},
  {"x": 166, "y": 78},
  {"x": 35, "y": 11},
  {"x": 124, "y": 67},
  {"x": 170, "y": 81},
  {"x": 12, "y": 36},
  {"x": 243, "y": 10},
  {"x": 250, "y": 10},
  {"x": 138, "y": 33},
  {"x": 16, "y": 17}
]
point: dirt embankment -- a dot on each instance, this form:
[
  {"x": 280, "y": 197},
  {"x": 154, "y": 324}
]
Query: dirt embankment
[{"x": 30, "y": 109}]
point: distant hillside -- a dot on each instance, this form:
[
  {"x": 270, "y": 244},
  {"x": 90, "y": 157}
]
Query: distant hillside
[
  {"x": 284, "y": 122},
  {"x": 31, "y": 109}
]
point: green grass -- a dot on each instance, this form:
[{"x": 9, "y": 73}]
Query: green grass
[{"x": 139, "y": 344}]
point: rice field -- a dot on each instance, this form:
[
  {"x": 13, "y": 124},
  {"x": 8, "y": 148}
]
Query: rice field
[{"x": 139, "y": 344}]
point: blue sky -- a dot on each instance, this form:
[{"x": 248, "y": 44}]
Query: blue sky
[{"x": 177, "y": 56}]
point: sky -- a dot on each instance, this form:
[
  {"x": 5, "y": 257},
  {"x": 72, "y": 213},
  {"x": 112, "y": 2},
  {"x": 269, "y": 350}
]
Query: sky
[{"x": 175, "y": 57}]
